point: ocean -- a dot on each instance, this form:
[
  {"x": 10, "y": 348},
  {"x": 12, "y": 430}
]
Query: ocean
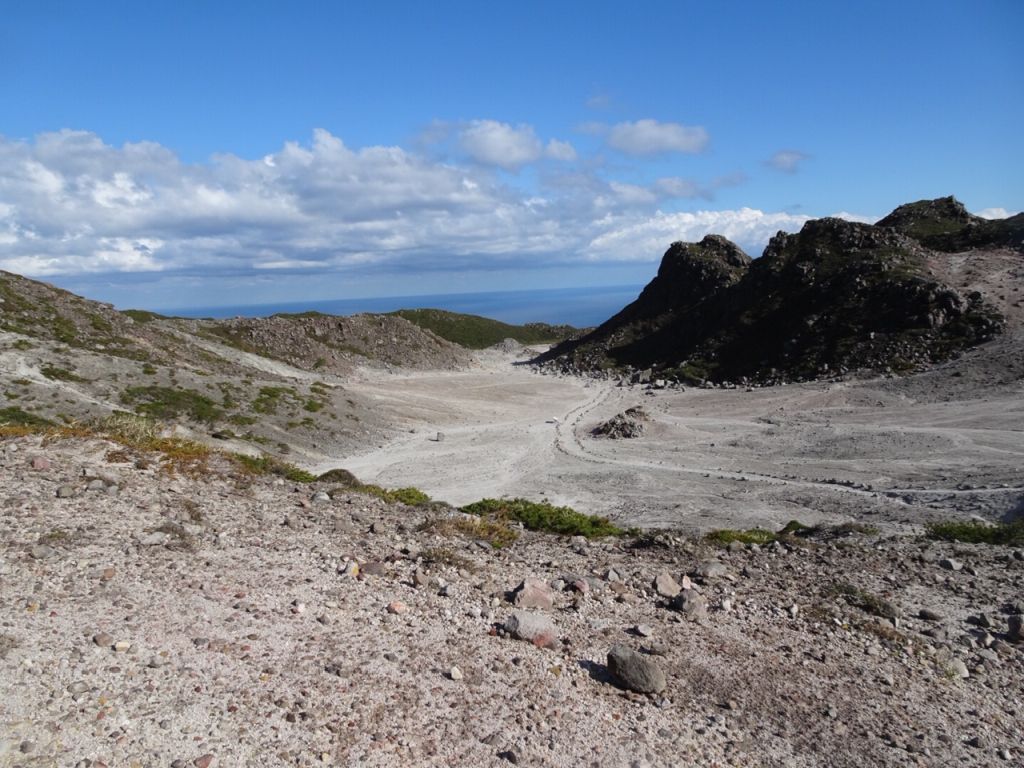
[{"x": 579, "y": 307}]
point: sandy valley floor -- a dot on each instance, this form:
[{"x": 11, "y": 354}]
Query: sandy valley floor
[{"x": 709, "y": 458}]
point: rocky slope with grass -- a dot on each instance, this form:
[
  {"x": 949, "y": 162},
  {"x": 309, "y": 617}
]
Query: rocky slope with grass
[
  {"x": 164, "y": 605},
  {"x": 835, "y": 298},
  {"x": 276, "y": 385}
]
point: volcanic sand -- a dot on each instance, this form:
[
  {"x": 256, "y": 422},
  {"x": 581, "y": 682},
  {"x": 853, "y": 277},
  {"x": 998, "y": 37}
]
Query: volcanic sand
[{"x": 818, "y": 452}]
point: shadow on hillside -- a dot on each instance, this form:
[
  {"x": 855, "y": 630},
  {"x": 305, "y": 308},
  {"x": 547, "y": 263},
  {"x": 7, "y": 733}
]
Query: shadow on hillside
[{"x": 1016, "y": 512}]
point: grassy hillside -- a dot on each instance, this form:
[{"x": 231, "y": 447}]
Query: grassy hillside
[{"x": 477, "y": 332}]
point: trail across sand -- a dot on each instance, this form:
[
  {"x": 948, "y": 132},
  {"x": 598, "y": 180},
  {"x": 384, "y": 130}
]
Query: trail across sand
[{"x": 710, "y": 458}]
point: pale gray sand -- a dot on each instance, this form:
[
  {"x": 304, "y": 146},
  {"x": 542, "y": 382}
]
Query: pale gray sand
[{"x": 709, "y": 458}]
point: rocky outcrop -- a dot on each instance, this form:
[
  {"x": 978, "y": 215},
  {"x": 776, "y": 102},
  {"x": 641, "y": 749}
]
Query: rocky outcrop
[
  {"x": 835, "y": 297},
  {"x": 623, "y": 426}
]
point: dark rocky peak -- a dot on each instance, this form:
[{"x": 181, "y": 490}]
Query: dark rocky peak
[
  {"x": 714, "y": 255},
  {"x": 930, "y": 217},
  {"x": 945, "y": 225},
  {"x": 835, "y": 245},
  {"x": 690, "y": 272}
]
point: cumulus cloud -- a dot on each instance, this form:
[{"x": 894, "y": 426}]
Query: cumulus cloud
[
  {"x": 71, "y": 204},
  {"x": 560, "y": 150},
  {"x": 995, "y": 213},
  {"x": 748, "y": 227},
  {"x": 650, "y": 137},
  {"x": 786, "y": 160},
  {"x": 500, "y": 144}
]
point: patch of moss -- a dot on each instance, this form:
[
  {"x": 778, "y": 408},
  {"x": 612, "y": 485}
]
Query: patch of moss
[
  {"x": 497, "y": 533},
  {"x": 169, "y": 403},
  {"x": 16, "y": 417},
  {"x": 864, "y": 600},
  {"x": 56, "y": 373},
  {"x": 339, "y": 475},
  {"x": 411, "y": 497},
  {"x": 974, "y": 532},
  {"x": 542, "y": 516},
  {"x": 749, "y": 536},
  {"x": 269, "y": 398},
  {"x": 64, "y": 330},
  {"x": 268, "y": 465}
]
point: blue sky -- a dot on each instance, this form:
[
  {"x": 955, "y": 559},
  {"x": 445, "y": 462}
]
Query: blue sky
[{"x": 193, "y": 153}]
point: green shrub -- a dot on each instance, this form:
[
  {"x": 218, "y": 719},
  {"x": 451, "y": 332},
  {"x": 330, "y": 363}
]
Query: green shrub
[
  {"x": 542, "y": 516},
  {"x": 497, "y": 533},
  {"x": 268, "y": 465},
  {"x": 55, "y": 373},
  {"x": 411, "y": 497},
  {"x": 864, "y": 600},
  {"x": 15, "y": 417},
  {"x": 974, "y": 532},
  {"x": 339, "y": 475},
  {"x": 749, "y": 536},
  {"x": 168, "y": 403}
]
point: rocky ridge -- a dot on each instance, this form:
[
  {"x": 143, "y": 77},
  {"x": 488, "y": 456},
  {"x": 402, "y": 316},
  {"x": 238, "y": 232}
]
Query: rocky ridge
[
  {"x": 836, "y": 297},
  {"x": 155, "y": 618}
]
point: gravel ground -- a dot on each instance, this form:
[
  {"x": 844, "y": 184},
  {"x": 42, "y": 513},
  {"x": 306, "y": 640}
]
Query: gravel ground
[{"x": 149, "y": 619}]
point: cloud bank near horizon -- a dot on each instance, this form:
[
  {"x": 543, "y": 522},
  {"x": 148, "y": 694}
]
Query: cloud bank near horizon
[{"x": 71, "y": 204}]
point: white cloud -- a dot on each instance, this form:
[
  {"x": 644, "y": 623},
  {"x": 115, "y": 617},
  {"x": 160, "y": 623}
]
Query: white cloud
[
  {"x": 787, "y": 160},
  {"x": 500, "y": 144},
  {"x": 650, "y": 137},
  {"x": 679, "y": 188},
  {"x": 560, "y": 150},
  {"x": 995, "y": 213},
  {"x": 638, "y": 239},
  {"x": 73, "y": 205},
  {"x": 855, "y": 217}
]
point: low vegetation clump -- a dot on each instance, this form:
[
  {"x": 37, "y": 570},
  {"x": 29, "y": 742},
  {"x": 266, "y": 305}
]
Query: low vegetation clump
[
  {"x": 268, "y": 465},
  {"x": 13, "y": 419},
  {"x": 864, "y": 600},
  {"x": 55, "y": 373},
  {"x": 445, "y": 556},
  {"x": 792, "y": 531},
  {"x": 975, "y": 532},
  {"x": 497, "y": 533},
  {"x": 749, "y": 536},
  {"x": 542, "y": 516},
  {"x": 338, "y": 475},
  {"x": 411, "y": 497},
  {"x": 170, "y": 403}
]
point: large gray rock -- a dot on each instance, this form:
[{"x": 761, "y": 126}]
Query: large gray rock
[
  {"x": 665, "y": 585},
  {"x": 692, "y": 603},
  {"x": 532, "y": 627},
  {"x": 635, "y": 672},
  {"x": 533, "y": 593},
  {"x": 712, "y": 569},
  {"x": 1015, "y": 628}
]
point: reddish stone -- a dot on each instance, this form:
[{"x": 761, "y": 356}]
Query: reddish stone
[
  {"x": 40, "y": 463},
  {"x": 203, "y": 762}
]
